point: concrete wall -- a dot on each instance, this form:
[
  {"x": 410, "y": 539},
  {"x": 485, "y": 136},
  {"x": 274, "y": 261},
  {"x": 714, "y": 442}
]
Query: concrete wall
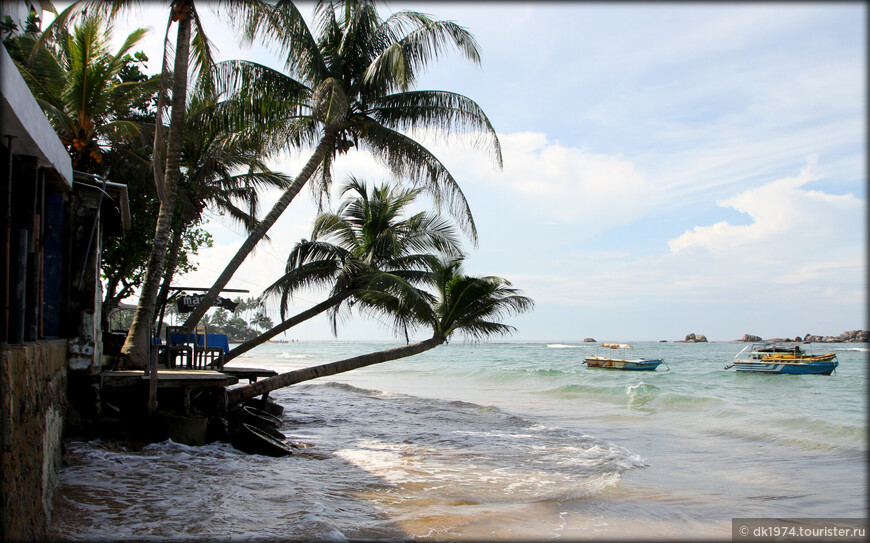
[{"x": 33, "y": 382}]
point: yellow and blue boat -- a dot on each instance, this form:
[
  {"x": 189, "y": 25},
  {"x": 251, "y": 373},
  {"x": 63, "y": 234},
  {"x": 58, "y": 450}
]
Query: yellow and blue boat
[{"x": 780, "y": 358}]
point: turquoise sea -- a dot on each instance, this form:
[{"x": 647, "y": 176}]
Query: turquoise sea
[{"x": 498, "y": 441}]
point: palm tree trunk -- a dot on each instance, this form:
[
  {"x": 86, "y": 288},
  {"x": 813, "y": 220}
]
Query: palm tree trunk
[
  {"x": 168, "y": 274},
  {"x": 325, "y": 146},
  {"x": 240, "y": 394},
  {"x": 286, "y": 325},
  {"x": 135, "y": 349}
]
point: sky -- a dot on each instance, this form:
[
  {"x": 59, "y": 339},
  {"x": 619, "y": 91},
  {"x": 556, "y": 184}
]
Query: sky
[{"x": 669, "y": 168}]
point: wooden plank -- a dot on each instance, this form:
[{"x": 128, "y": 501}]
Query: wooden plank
[
  {"x": 170, "y": 378},
  {"x": 251, "y": 374},
  {"x": 201, "y": 289}
]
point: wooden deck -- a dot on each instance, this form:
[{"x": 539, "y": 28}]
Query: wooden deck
[
  {"x": 184, "y": 381},
  {"x": 170, "y": 378}
]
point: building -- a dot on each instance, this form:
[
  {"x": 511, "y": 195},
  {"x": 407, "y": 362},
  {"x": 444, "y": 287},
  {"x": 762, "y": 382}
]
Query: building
[{"x": 50, "y": 297}]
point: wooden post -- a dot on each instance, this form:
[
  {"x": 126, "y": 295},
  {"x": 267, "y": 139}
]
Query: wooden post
[
  {"x": 19, "y": 302},
  {"x": 5, "y": 294},
  {"x": 152, "y": 378}
]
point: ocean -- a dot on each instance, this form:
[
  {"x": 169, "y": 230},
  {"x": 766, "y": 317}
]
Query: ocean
[{"x": 497, "y": 441}]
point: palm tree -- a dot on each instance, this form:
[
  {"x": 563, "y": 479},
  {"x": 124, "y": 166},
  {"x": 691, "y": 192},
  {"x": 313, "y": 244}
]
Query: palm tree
[
  {"x": 166, "y": 156},
  {"x": 224, "y": 172},
  {"x": 349, "y": 87},
  {"x": 137, "y": 343},
  {"x": 366, "y": 251},
  {"x": 468, "y": 305},
  {"x": 100, "y": 105},
  {"x": 78, "y": 83}
]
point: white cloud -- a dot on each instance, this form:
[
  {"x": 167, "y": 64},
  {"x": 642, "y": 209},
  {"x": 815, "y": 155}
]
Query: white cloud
[
  {"x": 784, "y": 217},
  {"x": 545, "y": 181},
  {"x": 644, "y": 116}
]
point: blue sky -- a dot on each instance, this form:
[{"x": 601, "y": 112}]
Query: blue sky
[{"x": 668, "y": 168}]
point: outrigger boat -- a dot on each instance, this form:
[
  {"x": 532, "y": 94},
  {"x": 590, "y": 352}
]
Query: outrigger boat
[
  {"x": 637, "y": 364},
  {"x": 779, "y": 358}
]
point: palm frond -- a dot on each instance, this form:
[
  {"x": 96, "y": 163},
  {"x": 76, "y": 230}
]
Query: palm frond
[
  {"x": 283, "y": 29},
  {"x": 447, "y": 111},
  {"x": 396, "y": 67},
  {"x": 201, "y": 55},
  {"x": 408, "y": 159}
]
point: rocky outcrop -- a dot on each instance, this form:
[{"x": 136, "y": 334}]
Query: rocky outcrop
[
  {"x": 589, "y": 340},
  {"x": 693, "y": 338},
  {"x": 852, "y": 336}
]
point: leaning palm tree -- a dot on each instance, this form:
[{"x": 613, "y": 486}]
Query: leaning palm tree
[
  {"x": 166, "y": 174},
  {"x": 365, "y": 251},
  {"x": 464, "y": 304},
  {"x": 349, "y": 86},
  {"x": 223, "y": 172},
  {"x": 166, "y": 156}
]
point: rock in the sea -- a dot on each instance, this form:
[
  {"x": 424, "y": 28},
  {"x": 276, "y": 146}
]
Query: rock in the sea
[
  {"x": 694, "y": 338},
  {"x": 749, "y": 338},
  {"x": 589, "y": 340}
]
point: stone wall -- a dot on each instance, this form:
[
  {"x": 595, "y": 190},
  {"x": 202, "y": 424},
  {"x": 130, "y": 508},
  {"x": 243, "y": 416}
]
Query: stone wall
[{"x": 33, "y": 382}]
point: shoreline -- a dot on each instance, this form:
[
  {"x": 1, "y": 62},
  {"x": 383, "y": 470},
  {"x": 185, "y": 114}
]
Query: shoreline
[{"x": 476, "y": 442}]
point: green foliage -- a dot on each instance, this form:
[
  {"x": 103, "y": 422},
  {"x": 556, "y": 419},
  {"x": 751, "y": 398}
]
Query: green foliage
[
  {"x": 473, "y": 306},
  {"x": 372, "y": 253},
  {"x": 102, "y": 106},
  {"x": 223, "y": 168},
  {"x": 193, "y": 240},
  {"x": 88, "y": 92},
  {"x": 32, "y": 24},
  {"x": 8, "y": 25},
  {"x": 262, "y": 321},
  {"x": 350, "y": 80}
]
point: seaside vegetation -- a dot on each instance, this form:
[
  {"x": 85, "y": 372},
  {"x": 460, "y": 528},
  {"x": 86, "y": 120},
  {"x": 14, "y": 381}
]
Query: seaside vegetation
[
  {"x": 462, "y": 304},
  {"x": 364, "y": 253},
  {"x": 347, "y": 84},
  {"x": 101, "y": 105},
  {"x": 222, "y": 171}
]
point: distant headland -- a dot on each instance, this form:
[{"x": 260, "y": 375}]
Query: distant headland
[{"x": 852, "y": 336}]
